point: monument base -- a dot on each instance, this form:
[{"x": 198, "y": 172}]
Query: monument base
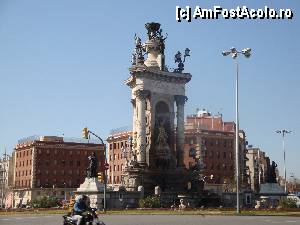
[
  {"x": 271, "y": 189},
  {"x": 92, "y": 188}
]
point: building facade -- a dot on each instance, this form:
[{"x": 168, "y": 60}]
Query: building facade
[
  {"x": 258, "y": 165},
  {"x": 118, "y": 149},
  {"x": 49, "y": 165},
  {"x": 6, "y": 180},
  {"x": 210, "y": 142}
]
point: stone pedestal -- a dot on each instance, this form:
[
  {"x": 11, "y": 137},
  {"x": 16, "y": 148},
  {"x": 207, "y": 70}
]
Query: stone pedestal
[
  {"x": 271, "y": 189},
  {"x": 94, "y": 190}
]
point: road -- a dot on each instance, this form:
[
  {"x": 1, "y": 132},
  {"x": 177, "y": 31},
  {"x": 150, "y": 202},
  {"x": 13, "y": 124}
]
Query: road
[{"x": 157, "y": 220}]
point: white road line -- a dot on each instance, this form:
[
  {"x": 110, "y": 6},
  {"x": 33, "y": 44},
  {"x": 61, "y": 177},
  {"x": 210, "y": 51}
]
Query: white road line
[
  {"x": 291, "y": 221},
  {"x": 5, "y": 219}
]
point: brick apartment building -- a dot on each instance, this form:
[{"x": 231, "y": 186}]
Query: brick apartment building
[
  {"x": 214, "y": 141},
  {"x": 206, "y": 135},
  {"x": 49, "y": 165},
  {"x": 117, "y": 146}
]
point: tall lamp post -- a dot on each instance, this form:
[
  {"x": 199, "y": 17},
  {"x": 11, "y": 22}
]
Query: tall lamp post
[
  {"x": 234, "y": 54},
  {"x": 86, "y": 134},
  {"x": 283, "y": 132}
]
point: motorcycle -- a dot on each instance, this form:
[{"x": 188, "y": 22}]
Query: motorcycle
[{"x": 90, "y": 218}]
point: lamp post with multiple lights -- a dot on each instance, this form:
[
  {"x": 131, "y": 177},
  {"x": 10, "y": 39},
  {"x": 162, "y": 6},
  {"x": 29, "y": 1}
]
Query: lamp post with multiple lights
[
  {"x": 234, "y": 54},
  {"x": 283, "y": 132}
]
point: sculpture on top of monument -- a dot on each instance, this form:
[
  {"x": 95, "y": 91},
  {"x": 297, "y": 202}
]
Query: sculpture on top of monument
[
  {"x": 272, "y": 174},
  {"x": 179, "y": 60},
  {"x": 138, "y": 55},
  {"x": 93, "y": 164}
]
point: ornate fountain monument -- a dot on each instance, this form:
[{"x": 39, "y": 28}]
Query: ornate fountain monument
[{"x": 157, "y": 142}]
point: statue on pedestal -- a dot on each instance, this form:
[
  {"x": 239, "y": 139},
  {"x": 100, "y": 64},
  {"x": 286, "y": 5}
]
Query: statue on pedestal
[
  {"x": 93, "y": 164},
  {"x": 272, "y": 173}
]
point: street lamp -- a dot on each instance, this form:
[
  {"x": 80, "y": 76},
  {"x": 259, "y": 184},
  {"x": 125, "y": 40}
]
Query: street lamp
[
  {"x": 85, "y": 134},
  {"x": 283, "y": 132},
  {"x": 234, "y": 53}
]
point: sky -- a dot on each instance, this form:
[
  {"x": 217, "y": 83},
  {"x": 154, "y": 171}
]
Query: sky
[{"x": 63, "y": 63}]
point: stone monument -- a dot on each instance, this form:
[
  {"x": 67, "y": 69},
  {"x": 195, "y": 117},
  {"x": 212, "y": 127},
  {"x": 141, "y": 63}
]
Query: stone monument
[
  {"x": 158, "y": 141},
  {"x": 271, "y": 191},
  {"x": 91, "y": 185}
]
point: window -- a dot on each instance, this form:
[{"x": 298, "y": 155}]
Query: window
[
  {"x": 55, "y": 162},
  {"x": 78, "y": 163},
  {"x": 225, "y": 143},
  {"x": 118, "y": 168},
  {"x": 115, "y": 167},
  {"x": 224, "y": 155},
  {"x": 115, "y": 146},
  {"x": 218, "y": 155},
  {"x": 71, "y": 163}
]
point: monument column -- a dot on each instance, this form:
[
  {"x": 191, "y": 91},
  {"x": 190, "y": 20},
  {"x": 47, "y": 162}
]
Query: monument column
[
  {"x": 180, "y": 101},
  {"x": 133, "y": 102},
  {"x": 141, "y": 96}
]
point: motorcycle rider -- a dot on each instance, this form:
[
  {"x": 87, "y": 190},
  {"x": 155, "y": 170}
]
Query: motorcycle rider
[{"x": 81, "y": 207}]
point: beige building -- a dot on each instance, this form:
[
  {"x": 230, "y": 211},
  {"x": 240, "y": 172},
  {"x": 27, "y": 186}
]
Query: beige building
[
  {"x": 258, "y": 165},
  {"x": 6, "y": 179}
]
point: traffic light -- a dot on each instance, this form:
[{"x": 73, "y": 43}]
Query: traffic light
[
  {"x": 100, "y": 177},
  {"x": 85, "y": 133}
]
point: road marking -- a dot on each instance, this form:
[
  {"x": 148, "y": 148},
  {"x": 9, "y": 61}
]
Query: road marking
[
  {"x": 5, "y": 219},
  {"x": 291, "y": 221}
]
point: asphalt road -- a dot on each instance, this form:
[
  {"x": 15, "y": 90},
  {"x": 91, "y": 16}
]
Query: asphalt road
[{"x": 157, "y": 220}]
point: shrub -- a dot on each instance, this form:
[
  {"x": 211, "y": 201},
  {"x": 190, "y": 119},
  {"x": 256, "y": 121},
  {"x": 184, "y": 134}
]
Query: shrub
[
  {"x": 44, "y": 202},
  {"x": 288, "y": 203},
  {"x": 150, "y": 202}
]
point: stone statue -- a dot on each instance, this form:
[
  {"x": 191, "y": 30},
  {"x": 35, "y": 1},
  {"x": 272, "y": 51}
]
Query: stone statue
[
  {"x": 162, "y": 41},
  {"x": 162, "y": 148},
  {"x": 162, "y": 136},
  {"x": 272, "y": 174},
  {"x": 137, "y": 56},
  {"x": 93, "y": 164}
]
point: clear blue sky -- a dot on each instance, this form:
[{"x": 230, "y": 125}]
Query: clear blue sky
[{"x": 62, "y": 66}]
